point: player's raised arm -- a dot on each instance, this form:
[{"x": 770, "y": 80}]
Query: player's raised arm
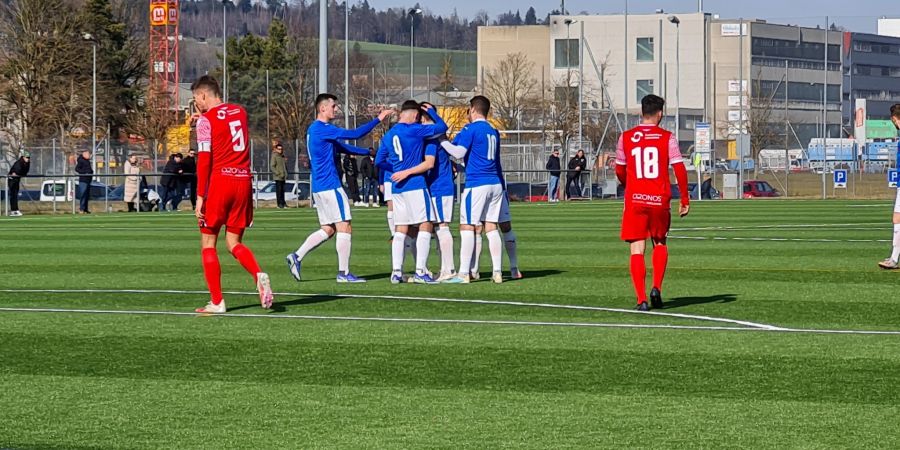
[
  {"x": 438, "y": 128},
  {"x": 359, "y": 133},
  {"x": 343, "y": 147},
  {"x": 681, "y": 177}
]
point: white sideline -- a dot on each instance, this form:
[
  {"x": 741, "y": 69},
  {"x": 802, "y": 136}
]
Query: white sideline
[
  {"x": 394, "y": 297},
  {"x": 722, "y": 238}
]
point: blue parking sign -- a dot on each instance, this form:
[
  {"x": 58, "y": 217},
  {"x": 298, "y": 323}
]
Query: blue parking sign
[
  {"x": 893, "y": 177},
  {"x": 840, "y": 178}
]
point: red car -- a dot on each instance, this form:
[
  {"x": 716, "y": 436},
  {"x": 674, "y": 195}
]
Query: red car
[{"x": 757, "y": 188}]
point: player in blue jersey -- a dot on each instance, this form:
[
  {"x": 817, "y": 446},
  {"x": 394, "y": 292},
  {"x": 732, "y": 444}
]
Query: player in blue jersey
[
  {"x": 441, "y": 186},
  {"x": 384, "y": 180},
  {"x": 413, "y": 209},
  {"x": 892, "y": 263},
  {"x": 478, "y": 143},
  {"x": 323, "y": 141}
]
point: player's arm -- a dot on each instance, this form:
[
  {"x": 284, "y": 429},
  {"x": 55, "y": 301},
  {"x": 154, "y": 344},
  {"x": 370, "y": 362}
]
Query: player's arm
[
  {"x": 422, "y": 167},
  {"x": 351, "y": 149},
  {"x": 460, "y": 145},
  {"x": 621, "y": 162},
  {"x": 359, "y": 133},
  {"x": 204, "y": 162},
  {"x": 381, "y": 156},
  {"x": 681, "y": 177},
  {"x": 426, "y": 131}
]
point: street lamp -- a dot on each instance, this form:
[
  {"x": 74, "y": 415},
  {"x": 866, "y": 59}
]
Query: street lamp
[
  {"x": 412, "y": 13},
  {"x": 224, "y": 52},
  {"x": 677, "y": 22},
  {"x": 90, "y": 37}
]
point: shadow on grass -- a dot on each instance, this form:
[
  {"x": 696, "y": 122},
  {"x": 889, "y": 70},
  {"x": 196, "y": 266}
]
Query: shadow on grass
[
  {"x": 281, "y": 306},
  {"x": 680, "y": 302}
]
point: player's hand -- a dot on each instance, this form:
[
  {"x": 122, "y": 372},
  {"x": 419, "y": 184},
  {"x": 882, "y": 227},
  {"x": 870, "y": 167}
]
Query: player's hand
[
  {"x": 399, "y": 176},
  {"x": 194, "y": 118},
  {"x": 427, "y": 107},
  {"x": 198, "y": 211},
  {"x": 385, "y": 113},
  {"x": 442, "y": 137},
  {"x": 684, "y": 210}
]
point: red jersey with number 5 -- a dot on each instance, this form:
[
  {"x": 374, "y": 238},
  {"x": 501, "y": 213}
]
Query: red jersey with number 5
[
  {"x": 222, "y": 145},
  {"x": 647, "y": 151}
]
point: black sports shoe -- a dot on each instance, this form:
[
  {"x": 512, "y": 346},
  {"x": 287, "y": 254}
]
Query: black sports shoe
[
  {"x": 642, "y": 307},
  {"x": 656, "y": 299}
]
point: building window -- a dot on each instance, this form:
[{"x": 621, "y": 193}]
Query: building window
[
  {"x": 644, "y": 88},
  {"x": 566, "y": 53},
  {"x": 645, "y": 49}
]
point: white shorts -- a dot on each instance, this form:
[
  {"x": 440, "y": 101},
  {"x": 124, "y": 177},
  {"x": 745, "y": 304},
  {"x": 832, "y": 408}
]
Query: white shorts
[
  {"x": 413, "y": 207},
  {"x": 505, "y": 216},
  {"x": 333, "y": 206},
  {"x": 481, "y": 204},
  {"x": 388, "y": 191},
  {"x": 443, "y": 205},
  {"x": 897, "y": 202}
]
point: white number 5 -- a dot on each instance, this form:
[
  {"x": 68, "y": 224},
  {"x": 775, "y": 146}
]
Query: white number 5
[{"x": 237, "y": 136}]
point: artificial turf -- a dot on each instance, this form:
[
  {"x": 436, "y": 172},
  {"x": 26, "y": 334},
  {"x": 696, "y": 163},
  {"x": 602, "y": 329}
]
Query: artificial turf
[{"x": 274, "y": 380}]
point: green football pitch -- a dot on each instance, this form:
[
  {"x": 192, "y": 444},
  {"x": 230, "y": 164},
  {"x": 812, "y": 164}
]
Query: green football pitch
[{"x": 779, "y": 331}]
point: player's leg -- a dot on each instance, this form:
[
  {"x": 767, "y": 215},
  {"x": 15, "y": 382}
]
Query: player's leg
[
  {"x": 892, "y": 262},
  {"x": 635, "y": 231},
  {"x": 212, "y": 272},
  {"x": 423, "y": 213},
  {"x": 510, "y": 242},
  {"x": 343, "y": 240},
  {"x": 244, "y": 256},
  {"x": 660, "y": 222},
  {"x": 389, "y": 200},
  {"x": 469, "y": 217},
  {"x": 326, "y": 209},
  {"x": 492, "y": 231},
  {"x": 444, "y": 208},
  {"x": 475, "y": 272},
  {"x": 398, "y": 252}
]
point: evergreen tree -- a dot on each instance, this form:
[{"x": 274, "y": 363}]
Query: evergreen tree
[{"x": 530, "y": 16}]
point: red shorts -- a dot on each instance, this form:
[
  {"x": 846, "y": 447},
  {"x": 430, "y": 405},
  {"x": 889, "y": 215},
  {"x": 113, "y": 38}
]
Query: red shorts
[
  {"x": 640, "y": 222},
  {"x": 229, "y": 203}
]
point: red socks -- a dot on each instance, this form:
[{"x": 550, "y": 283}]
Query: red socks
[
  {"x": 638, "y": 273},
  {"x": 660, "y": 261},
  {"x": 213, "y": 273},
  {"x": 246, "y": 258}
]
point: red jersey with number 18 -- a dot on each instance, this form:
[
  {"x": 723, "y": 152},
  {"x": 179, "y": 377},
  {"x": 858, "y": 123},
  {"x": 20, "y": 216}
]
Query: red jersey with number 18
[{"x": 647, "y": 151}]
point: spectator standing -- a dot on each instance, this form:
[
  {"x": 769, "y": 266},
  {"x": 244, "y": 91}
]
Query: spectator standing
[
  {"x": 554, "y": 166},
  {"x": 576, "y": 167},
  {"x": 351, "y": 174},
  {"x": 18, "y": 170},
  {"x": 132, "y": 183},
  {"x": 279, "y": 173},
  {"x": 169, "y": 182},
  {"x": 370, "y": 179},
  {"x": 189, "y": 177},
  {"x": 83, "y": 167}
]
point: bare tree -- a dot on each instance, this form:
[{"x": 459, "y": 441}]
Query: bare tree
[
  {"x": 512, "y": 88},
  {"x": 152, "y": 120},
  {"x": 759, "y": 121}
]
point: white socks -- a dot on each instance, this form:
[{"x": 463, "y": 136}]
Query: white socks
[
  {"x": 509, "y": 240},
  {"x": 343, "y": 250},
  {"x": 390, "y": 216},
  {"x": 495, "y": 244},
  {"x": 476, "y": 257},
  {"x": 895, "y": 253},
  {"x": 398, "y": 251},
  {"x": 445, "y": 240},
  {"x": 466, "y": 250},
  {"x": 314, "y": 240},
  {"x": 423, "y": 245}
]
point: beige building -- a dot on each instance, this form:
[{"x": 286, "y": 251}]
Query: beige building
[{"x": 495, "y": 43}]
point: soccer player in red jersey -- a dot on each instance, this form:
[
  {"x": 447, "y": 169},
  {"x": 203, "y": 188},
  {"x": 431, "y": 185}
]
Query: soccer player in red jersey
[
  {"x": 643, "y": 157},
  {"x": 224, "y": 189}
]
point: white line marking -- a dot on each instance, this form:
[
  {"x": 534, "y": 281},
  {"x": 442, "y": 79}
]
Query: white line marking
[
  {"x": 456, "y": 321},
  {"x": 395, "y": 297},
  {"x": 877, "y": 225},
  {"x": 722, "y": 238}
]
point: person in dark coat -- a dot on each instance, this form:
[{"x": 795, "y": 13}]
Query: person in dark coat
[
  {"x": 554, "y": 166},
  {"x": 18, "y": 170},
  {"x": 84, "y": 168},
  {"x": 369, "y": 173},
  {"x": 577, "y": 165},
  {"x": 278, "y": 166},
  {"x": 189, "y": 176},
  {"x": 169, "y": 182},
  {"x": 351, "y": 174}
]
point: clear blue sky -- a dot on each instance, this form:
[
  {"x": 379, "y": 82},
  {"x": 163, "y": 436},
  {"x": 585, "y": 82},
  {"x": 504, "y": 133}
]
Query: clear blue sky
[{"x": 858, "y": 15}]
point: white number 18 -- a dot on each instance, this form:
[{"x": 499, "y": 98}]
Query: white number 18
[{"x": 646, "y": 162}]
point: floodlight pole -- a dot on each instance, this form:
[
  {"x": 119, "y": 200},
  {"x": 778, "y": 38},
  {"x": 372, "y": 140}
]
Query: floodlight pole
[{"x": 323, "y": 46}]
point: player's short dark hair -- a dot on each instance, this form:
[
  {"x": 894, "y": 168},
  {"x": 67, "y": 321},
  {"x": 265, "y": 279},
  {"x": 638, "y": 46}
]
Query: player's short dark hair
[
  {"x": 652, "y": 104},
  {"x": 481, "y": 104},
  {"x": 410, "y": 104},
  {"x": 208, "y": 83},
  {"x": 895, "y": 110},
  {"x": 321, "y": 98}
]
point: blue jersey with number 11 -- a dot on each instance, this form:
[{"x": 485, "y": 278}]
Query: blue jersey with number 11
[{"x": 483, "y": 157}]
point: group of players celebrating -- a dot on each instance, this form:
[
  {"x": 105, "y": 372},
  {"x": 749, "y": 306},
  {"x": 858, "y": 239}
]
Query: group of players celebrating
[{"x": 415, "y": 155}]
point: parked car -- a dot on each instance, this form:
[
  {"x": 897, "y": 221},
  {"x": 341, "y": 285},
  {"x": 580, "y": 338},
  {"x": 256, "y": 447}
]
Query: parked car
[
  {"x": 293, "y": 190},
  {"x": 64, "y": 190},
  {"x": 709, "y": 192},
  {"x": 758, "y": 189},
  {"x": 150, "y": 193}
]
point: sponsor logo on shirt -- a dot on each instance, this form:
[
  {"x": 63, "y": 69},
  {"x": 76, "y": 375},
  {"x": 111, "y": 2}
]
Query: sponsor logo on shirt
[
  {"x": 234, "y": 172},
  {"x": 637, "y": 136},
  {"x": 647, "y": 198},
  {"x": 220, "y": 114}
]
